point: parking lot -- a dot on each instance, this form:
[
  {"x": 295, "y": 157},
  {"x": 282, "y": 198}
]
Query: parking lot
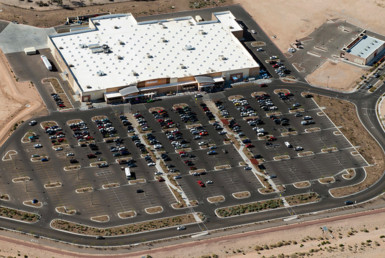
[{"x": 184, "y": 138}]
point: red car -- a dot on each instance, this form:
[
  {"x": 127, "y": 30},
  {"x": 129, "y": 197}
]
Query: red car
[
  {"x": 201, "y": 183},
  {"x": 272, "y": 138},
  {"x": 182, "y": 152},
  {"x": 275, "y": 66},
  {"x": 160, "y": 179},
  {"x": 62, "y": 105},
  {"x": 249, "y": 145}
]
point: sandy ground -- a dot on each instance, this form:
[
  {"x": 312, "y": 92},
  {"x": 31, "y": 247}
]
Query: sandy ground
[
  {"x": 54, "y": 17},
  {"x": 337, "y": 75},
  {"x": 18, "y": 100},
  {"x": 291, "y": 20}
]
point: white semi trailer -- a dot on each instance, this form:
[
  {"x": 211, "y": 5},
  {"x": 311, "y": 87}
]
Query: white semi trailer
[{"x": 46, "y": 62}]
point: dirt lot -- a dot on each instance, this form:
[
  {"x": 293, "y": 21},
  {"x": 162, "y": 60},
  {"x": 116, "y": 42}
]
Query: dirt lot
[
  {"x": 336, "y": 75},
  {"x": 18, "y": 100},
  {"x": 358, "y": 136},
  {"x": 52, "y": 16},
  {"x": 291, "y": 20}
]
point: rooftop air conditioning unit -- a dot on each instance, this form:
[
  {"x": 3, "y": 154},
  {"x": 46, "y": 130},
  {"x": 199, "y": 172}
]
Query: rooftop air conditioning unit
[
  {"x": 149, "y": 55},
  {"x": 135, "y": 74},
  {"x": 183, "y": 66},
  {"x": 100, "y": 73},
  {"x": 121, "y": 43},
  {"x": 189, "y": 47}
]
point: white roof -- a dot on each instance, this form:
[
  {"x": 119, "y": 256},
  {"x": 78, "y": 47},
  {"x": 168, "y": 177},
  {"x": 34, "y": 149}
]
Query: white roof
[
  {"x": 365, "y": 47},
  {"x": 151, "y": 50}
]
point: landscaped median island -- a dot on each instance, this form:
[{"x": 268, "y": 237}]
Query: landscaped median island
[
  {"x": 24, "y": 216},
  {"x": 302, "y": 198},
  {"x": 343, "y": 114},
  {"x": 327, "y": 180},
  {"x": 302, "y": 184},
  {"x": 349, "y": 174},
  {"x": 216, "y": 199},
  {"x": 249, "y": 208},
  {"x": 28, "y": 137},
  {"x": 125, "y": 229},
  {"x": 253, "y": 207},
  {"x": 127, "y": 214},
  {"x": 8, "y": 155},
  {"x": 84, "y": 190},
  {"x": 65, "y": 210}
]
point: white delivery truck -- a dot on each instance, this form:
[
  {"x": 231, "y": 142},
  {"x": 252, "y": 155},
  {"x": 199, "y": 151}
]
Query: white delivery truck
[
  {"x": 46, "y": 62},
  {"x": 128, "y": 173}
]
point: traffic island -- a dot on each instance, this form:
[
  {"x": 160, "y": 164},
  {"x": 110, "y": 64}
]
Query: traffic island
[
  {"x": 327, "y": 180},
  {"x": 221, "y": 167},
  {"x": 248, "y": 208},
  {"x": 281, "y": 157},
  {"x": 179, "y": 105},
  {"x": 127, "y": 214},
  {"x": 72, "y": 167},
  {"x": 94, "y": 118},
  {"x": 53, "y": 185},
  {"x": 302, "y": 184},
  {"x": 101, "y": 219},
  {"x": 284, "y": 91},
  {"x": 301, "y": 110},
  {"x": 201, "y": 170},
  {"x": 110, "y": 185},
  {"x": 258, "y": 94},
  {"x": 21, "y": 179},
  {"x": 137, "y": 181},
  {"x": 4, "y": 197},
  {"x": 349, "y": 174},
  {"x": 216, "y": 199},
  {"x": 8, "y": 155},
  {"x": 38, "y": 159},
  {"x": 74, "y": 121},
  {"x": 241, "y": 195},
  {"x": 354, "y": 153},
  {"x": 302, "y": 198},
  {"x": 258, "y": 44},
  {"x": 154, "y": 210},
  {"x": 289, "y": 133},
  {"x": 320, "y": 114},
  {"x": 235, "y": 97},
  {"x": 337, "y": 133},
  {"x": 29, "y": 137},
  {"x": 64, "y": 225},
  {"x": 275, "y": 113},
  {"x": 64, "y": 210},
  {"x": 84, "y": 190},
  {"x": 312, "y": 130},
  {"x": 305, "y": 154},
  {"x": 97, "y": 163},
  {"x": 33, "y": 203},
  {"x": 23, "y": 216},
  {"x": 329, "y": 150},
  {"x": 47, "y": 124}
]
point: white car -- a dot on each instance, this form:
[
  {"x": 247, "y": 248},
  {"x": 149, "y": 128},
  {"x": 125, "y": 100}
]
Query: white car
[
  {"x": 70, "y": 154},
  {"x": 38, "y": 145},
  {"x": 202, "y": 143},
  {"x": 247, "y": 168},
  {"x": 222, "y": 132},
  {"x": 181, "y": 228},
  {"x": 298, "y": 148},
  {"x": 151, "y": 164},
  {"x": 59, "y": 149},
  {"x": 158, "y": 173},
  {"x": 209, "y": 182}
]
